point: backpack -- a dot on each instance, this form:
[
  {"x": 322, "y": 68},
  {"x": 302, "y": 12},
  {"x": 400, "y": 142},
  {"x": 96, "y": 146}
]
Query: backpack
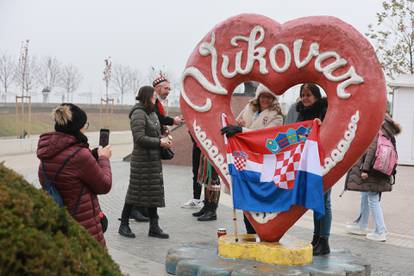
[
  {"x": 386, "y": 156},
  {"x": 49, "y": 184}
]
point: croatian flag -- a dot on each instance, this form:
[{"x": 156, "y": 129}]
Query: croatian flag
[{"x": 274, "y": 168}]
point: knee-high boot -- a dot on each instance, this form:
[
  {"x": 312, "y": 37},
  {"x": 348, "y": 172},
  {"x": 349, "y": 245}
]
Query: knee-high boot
[{"x": 210, "y": 213}]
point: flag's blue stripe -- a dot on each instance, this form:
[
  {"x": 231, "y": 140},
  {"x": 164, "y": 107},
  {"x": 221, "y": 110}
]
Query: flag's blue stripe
[{"x": 250, "y": 194}]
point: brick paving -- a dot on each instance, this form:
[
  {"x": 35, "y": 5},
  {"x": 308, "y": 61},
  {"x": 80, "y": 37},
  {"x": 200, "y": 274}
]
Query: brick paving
[{"x": 146, "y": 256}]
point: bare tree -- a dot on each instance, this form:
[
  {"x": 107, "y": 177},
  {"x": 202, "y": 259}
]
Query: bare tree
[
  {"x": 70, "y": 79},
  {"x": 393, "y": 37},
  {"x": 26, "y": 76},
  {"x": 136, "y": 81},
  {"x": 7, "y": 68},
  {"x": 121, "y": 79},
  {"x": 49, "y": 71}
]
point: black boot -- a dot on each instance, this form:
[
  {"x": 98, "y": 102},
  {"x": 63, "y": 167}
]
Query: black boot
[
  {"x": 202, "y": 211},
  {"x": 155, "y": 230},
  {"x": 137, "y": 215},
  {"x": 315, "y": 240},
  {"x": 322, "y": 248},
  {"x": 210, "y": 213},
  {"x": 125, "y": 231}
]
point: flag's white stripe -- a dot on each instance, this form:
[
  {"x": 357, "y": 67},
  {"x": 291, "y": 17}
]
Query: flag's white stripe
[
  {"x": 269, "y": 165},
  {"x": 250, "y": 165},
  {"x": 253, "y": 166},
  {"x": 309, "y": 161}
]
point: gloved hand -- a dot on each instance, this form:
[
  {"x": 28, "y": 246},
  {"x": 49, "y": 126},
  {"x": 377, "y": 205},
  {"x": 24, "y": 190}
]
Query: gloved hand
[{"x": 231, "y": 130}]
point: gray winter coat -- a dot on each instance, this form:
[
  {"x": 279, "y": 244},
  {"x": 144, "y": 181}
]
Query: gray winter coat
[
  {"x": 376, "y": 182},
  {"x": 146, "y": 187}
]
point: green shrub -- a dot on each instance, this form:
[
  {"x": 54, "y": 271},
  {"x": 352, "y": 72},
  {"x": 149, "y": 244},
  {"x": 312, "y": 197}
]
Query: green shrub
[{"x": 39, "y": 238}]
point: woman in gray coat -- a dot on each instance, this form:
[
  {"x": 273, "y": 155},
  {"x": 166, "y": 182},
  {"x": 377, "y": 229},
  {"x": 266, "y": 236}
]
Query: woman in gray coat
[
  {"x": 146, "y": 187},
  {"x": 371, "y": 184}
]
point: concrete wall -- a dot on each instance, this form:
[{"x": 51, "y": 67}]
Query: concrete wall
[
  {"x": 403, "y": 113},
  {"x": 29, "y": 145}
]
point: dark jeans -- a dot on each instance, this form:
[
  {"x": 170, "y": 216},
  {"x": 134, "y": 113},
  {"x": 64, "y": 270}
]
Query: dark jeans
[
  {"x": 126, "y": 212},
  {"x": 248, "y": 225},
  {"x": 196, "y": 163},
  {"x": 322, "y": 227}
]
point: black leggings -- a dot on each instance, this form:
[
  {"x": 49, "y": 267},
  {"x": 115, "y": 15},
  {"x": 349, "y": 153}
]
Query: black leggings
[
  {"x": 196, "y": 163},
  {"x": 126, "y": 212}
]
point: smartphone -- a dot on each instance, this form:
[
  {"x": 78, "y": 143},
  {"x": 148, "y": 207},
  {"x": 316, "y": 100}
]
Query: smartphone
[{"x": 104, "y": 137}]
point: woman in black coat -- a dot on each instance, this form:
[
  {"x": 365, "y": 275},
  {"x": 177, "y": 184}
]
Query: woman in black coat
[
  {"x": 313, "y": 106},
  {"x": 146, "y": 186}
]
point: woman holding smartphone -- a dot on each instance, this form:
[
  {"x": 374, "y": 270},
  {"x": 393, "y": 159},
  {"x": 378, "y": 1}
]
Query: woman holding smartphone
[{"x": 146, "y": 186}]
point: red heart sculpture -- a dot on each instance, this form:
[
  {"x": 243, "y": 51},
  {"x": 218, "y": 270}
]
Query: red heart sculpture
[{"x": 322, "y": 50}]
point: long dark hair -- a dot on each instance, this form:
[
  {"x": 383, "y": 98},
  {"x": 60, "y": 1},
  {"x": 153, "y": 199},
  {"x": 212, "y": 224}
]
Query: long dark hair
[
  {"x": 145, "y": 94},
  {"x": 314, "y": 89}
]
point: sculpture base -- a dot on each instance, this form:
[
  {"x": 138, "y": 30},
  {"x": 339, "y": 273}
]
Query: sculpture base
[
  {"x": 289, "y": 251},
  {"x": 202, "y": 259}
]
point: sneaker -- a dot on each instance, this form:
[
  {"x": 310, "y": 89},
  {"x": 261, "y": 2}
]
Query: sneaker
[
  {"x": 193, "y": 204},
  {"x": 353, "y": 228},
  {"x": 377, "y": 237}
]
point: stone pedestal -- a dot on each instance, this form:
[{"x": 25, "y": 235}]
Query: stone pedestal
[
  {"x": 202, "y": 259},
  {"x": 290, "y": 251}
]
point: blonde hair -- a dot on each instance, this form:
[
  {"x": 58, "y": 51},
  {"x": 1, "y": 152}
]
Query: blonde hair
[{"x": 62, "y": 115}]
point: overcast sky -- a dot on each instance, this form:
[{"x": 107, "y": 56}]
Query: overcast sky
[{"x": 142, "y": 34}]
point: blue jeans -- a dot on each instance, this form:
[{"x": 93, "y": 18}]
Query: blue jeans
[
  {"x": 370, "y": 202},
  {"x": 322, "y": 227}
]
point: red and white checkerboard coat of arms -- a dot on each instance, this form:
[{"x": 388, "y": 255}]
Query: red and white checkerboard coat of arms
[
  {"x": 287, "y": 163},
  {"x": 240, "y": 160}
]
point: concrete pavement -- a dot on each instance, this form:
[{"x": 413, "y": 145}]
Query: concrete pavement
[{"x": 145, "y": 256}]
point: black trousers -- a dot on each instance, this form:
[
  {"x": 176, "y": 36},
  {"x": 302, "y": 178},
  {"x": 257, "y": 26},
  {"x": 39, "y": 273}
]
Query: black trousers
[
  {"x": 126, "y": 212},
  {"x": 196, "y": 163},
  {"x": 248, "y": 225}
]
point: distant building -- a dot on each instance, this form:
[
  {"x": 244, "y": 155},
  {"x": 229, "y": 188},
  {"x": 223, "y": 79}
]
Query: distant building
[{"x": 403, "y": 113}]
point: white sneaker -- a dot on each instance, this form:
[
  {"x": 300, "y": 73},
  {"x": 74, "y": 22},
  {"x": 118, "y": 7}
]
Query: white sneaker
[
  {"x": 353, "y": 228},
  {"x": 193, "y": 204},
  {"x": 377, "y": 237},
  {"x": 199, "y": 204}
]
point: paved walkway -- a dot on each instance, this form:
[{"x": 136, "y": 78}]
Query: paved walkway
[{"x": 145, "y": 256}]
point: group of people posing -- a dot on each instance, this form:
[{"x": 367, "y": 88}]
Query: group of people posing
[{"x": 80, "y": 174}]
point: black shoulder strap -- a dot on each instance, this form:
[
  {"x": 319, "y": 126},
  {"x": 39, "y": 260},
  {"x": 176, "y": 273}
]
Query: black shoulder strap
[
  {"x": 75, "y": 210},
  {"x": 61, "y": 166},
  {"x": 65, "y": 162}
]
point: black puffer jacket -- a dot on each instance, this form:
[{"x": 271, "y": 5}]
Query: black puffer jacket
[
  {"x": 376, "y": 182},
  {"x": 146, "y": 186},
  {"x": 317, "y": 110}
]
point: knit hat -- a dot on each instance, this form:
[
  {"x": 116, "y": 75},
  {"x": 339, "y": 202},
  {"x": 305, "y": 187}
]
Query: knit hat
[
  {"x": 69, "y": 118},
  {"x": 261, "y": 89},
  {"x": 161, "y": 78}
]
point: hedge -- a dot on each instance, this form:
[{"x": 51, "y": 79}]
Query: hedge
[{"x": 39, "y": 238}]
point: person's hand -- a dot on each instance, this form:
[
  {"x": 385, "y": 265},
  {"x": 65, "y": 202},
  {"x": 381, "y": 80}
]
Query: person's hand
[
  {"x": 364, "y": 175},
  {"x": 241, "y": 122},
  {"x": 165, "y": 142},
  {"x": 231, "y": 130},
  {"x": 106, "y": 151},
  {"x": 178, "y": 120},
  {"x": 318, "y": 121}
]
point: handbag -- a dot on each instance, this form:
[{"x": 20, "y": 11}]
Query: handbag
[
  {"x": 166, "y": 154},
  {"x": 104, "y": 221}
]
